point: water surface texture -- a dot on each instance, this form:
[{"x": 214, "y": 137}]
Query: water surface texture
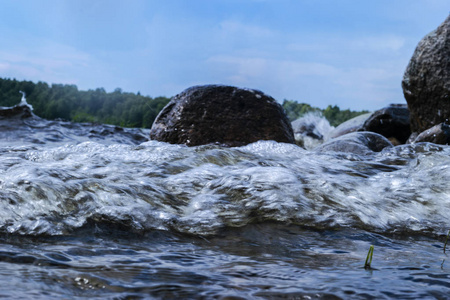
[{"x": 97, "y": 211}]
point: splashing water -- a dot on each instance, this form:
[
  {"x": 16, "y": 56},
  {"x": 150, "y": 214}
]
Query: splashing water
[
  {"x": 57, "y": 181},
  {"x": 311, "y": 130},
  {"x": 23, "y": 101},
  {"x": 99, "y": 211}
]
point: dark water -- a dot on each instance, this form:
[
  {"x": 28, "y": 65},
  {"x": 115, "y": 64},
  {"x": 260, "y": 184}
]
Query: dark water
[{"x": 97, "y": 211}]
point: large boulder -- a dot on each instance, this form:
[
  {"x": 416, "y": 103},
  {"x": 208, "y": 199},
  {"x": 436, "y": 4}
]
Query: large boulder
[
  {"x": 426, "y": 82},
  {"x": 391, "y": 122},
  {"x": 224, "y": 115}
]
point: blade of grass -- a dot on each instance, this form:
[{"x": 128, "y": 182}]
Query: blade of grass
[
  {"x": 369, "y": 258},
  {"x": 446, "y": 240}
]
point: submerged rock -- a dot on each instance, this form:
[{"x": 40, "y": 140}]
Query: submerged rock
[
  {"x": 361, "y": 142},
  {"x": 439, "y": 134},
  {"x": 391, "y": 122},
  {"x": 220, "y": 114},
  {"x": 426, "y": 82}
]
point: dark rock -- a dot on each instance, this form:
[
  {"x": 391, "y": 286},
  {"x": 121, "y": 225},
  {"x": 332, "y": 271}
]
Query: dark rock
[
  {"x": 391, "y": 122},
  {"x": 18, "y": 111},
  {"x": 348, "y": 126},
  {"x": 439, "y": 134},
  {"x": 221, "y": 114},
  {"x": 361, "y": 142},
  {"x": 426, "y": 82}
]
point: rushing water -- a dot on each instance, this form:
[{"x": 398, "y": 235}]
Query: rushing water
[{"x": 101, "y": 212}]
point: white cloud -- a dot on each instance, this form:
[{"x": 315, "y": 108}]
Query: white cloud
[
  {"x": 251, "y": 68},
  {"x": 43, "y": 60},
  {"x": 378, "y": 43},
  {"x": 316, "y": 83},
  {"x": 346, "y": 45},
  {"x": 235, "y": 27}
]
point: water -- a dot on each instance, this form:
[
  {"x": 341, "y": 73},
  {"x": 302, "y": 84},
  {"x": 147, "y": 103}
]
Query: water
[
  {"x": 311, "y": 130},
  {"x": 97, "y": 211}
]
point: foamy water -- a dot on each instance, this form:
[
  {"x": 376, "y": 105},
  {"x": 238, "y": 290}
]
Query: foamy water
[
  {"x": 200, "y": 190},
  {"x": 103, "y": 212}
]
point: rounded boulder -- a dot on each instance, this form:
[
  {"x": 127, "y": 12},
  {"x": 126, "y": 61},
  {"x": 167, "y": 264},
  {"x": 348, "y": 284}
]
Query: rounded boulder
[
  {"x": 391, "y": 122},
  {"x": 225, "y": 115}
]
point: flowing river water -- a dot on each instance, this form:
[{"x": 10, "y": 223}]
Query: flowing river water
[{"x": 101, "y": 212}]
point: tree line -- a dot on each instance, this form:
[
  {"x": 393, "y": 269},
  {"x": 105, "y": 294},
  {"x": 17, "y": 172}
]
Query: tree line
[{"x": 65, "y": 101}]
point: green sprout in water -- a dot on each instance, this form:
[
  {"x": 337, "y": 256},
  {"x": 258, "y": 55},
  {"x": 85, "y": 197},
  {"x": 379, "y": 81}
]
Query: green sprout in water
[
  {"x": 446, "y": 240},
  {"x": 369, "y": 258}
]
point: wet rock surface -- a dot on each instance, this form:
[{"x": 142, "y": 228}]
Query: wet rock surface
[
  {"x": 391, "y": 122},
  {"x": 18, "y": 111},
  {"x": 362, "y": 143},
  {"x": 426, "y": 82},
  {"x": 439, "y": 134},
  {"x": 223, "y": 115}
]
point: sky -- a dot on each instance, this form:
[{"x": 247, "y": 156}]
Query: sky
[{"x": 350, "y": 53}]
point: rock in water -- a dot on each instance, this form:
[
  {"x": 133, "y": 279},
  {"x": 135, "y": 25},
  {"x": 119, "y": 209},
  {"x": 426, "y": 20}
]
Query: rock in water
[
  {"x": 391, "y": 122},
  {"x": 426, "y": 83},
  {"x": 438, "y": 134},
  {"x": 221, "y": 114},
  {"x": 18, "y": 111}
]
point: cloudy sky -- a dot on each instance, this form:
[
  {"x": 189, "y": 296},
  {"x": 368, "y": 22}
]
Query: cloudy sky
[{"x": 350, "y": 53}]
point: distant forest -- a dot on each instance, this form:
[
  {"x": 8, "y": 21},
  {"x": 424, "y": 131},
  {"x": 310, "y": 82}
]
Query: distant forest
[{"x": 65, "y": 101}]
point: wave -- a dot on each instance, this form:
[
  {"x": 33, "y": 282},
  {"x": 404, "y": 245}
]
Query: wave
[{"x": 57, "y": 189}]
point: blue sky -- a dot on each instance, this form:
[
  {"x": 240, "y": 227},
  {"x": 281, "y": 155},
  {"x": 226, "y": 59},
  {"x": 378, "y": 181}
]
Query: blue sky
[{"x": 350, "y": 53}]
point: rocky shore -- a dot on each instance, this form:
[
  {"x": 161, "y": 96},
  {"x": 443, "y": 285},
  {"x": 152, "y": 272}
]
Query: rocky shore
[{"x": 232, "y": 116}]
